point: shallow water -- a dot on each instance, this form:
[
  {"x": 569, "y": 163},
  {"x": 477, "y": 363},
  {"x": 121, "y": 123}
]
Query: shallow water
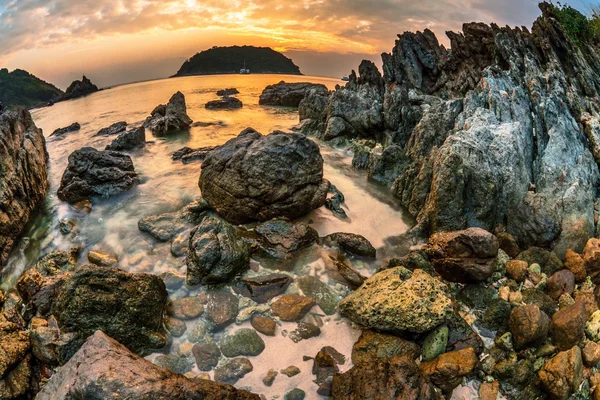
[{"x": 168, "y": 185}]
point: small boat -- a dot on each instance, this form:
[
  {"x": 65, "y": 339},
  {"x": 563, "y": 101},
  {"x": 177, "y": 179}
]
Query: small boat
[
  {"x": 346, "y": 79},
  {"x": 244, "y": 70}
]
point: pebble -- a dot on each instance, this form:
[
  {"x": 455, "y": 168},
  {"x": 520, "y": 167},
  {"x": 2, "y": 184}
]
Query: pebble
[
  {"x": 175, "y": 326},
  {"x": 264, "y": 325},
  {"x": 270, "y": 377},
  {"x": 222, "y": 308},
  {"x": 304, "y": 331},
  {"x": 173, "y": 362},
  {"x": 295, "y": 394},
  {"x": 207, "y": 355},
  {"x": 101, "y": 258},
  {"x": 326, "y": 298},
  {"x": 186, "y": 308},
  {"x": 243, "y": 342},
  {"x": 290, "y": 371},
  {"x": 435, "y": 343},
  {"x": 292, "y": 307}
]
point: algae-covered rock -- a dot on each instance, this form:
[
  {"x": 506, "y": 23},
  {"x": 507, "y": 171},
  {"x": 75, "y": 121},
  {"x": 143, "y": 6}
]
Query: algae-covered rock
[
  {"x": 243, "y": 342},
  {"x": 326, "y": 298},
  {"x": 435, "y": 343}
]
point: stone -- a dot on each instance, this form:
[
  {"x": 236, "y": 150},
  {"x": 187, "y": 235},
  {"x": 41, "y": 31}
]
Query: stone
[
  {"x": 185, "y": 308},
  {"x": 126, "y": 306},
  {"x": 592, "y": 327},
  {"x": 130, "y": 140},
  {"x": 257, "y": 178},
  {"x": 352, "y": 243},
  {"x": 80, "y": 88},
  {"x": 294, "y": 394},
  {"x": 63, "y": 131},
  {"x": 102, "y": 259},
  {"x": 292, "y": 307},
  {"x": 560, "y": 283},
  {"x": 24, "y": 177},
  {"x": 589, "y": 301},
  {"x": 16, "y": 383},
  {"x": 398, "y": 300},
  {"x": 243, "y": 342},
  {"x": 174, "y": 363},
  {"x": 216, "y": 253},
  {"x": 547, "y": 260},
  {"x": 542, "y": 300},
  {"x": 289, "y": 94},
  {"x": 113, "y": 129},
  {"x": 568, "y": 324},
  {"x": 263, "y": 288},
  {"x": 222, "y": 308},
  {"x": 372, "y": 346},
  {"x": 270, "y": 377},
  {"x": 227, "y": 92},
  {"x": 591, "y": 354},
  {"x": 165, "y": 227},
  {"x": 207, "y": 355},
  {"x": 304, "y": 331},
  {"x": 561, "y": 376},
  {"x": 83, "y": 206},
  {"x": 111, "y": 368},
  {"x": 529, "y": 326},
  {"x": 508, "y": 243},
  {"x": 489, "y": 390},
  {"x": 233, "y": 370},
  {"x": 435, "y": 343},
  {"x": 93, "y": 173},
  {"x": 575, "y": 263},
  {"x": 169, "y": 119},
  {"x": 290, "y": 371},
  {"x": 325, "y": 297},
  {"x": 517, "y": 270},
  {"x": 176, "y": 327},
  {"x": 224, "y": 103},
  {"x": 188, "y": 155},
  {"x": 447, "y": 371},
  {"x": 591, "y": 258},
  {"x": 279, "y": 238},
  {"x": 264, "y": 325}
]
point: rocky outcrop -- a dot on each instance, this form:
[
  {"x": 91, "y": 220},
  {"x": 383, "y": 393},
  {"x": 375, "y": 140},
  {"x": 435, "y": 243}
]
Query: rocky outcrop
[
  {"x": 499, "y": 130},
  {"x": 23, "y": 175},
  {"x": 62, "y": 131},
  {"x": 105, "y": 369},
  {"x": 225, "y": 103},
  {"x": 171, "y": 118},
  {"x": 113, "y": 129},
  {"x": 93, "y": 173},
  {"x": 79, "y": 89},
  {"x": 129, "y": 140},
  {"x": 257, "y": 178},
  {"x": 227, "y": 92},
  {"x": 290, "y": 94}
]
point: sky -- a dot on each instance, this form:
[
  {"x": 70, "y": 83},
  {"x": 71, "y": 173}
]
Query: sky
[{"x": 120, "y": 41}]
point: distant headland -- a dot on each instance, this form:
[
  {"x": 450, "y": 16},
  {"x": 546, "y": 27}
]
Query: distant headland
[{"x": 238, "y": 59}]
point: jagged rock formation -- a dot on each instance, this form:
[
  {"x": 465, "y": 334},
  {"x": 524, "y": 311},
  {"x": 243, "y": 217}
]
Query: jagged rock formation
[
  {"x": 62, "y": 131},
  {"x": 289, "y": 94},
  {"x": 23, "y": 175},
  {"x": 170, "y": 118},
  {"x": 501, "y": 130},
  {"x": 80, "y": 88}
]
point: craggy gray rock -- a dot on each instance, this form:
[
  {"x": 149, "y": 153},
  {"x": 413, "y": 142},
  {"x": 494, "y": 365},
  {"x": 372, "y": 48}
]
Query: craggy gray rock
[
  {"x": 93, "y": 173},
  {"x": 171, "y": 118},
  {"x": 62, "y": 131},
  {"x": 113, "y": 129},
  {"x": 105, "y": 369},
  {"x": 23, "y": 175},
  {"x": 257, "y": 178},
  {"x": 80, "y": 88},
  {"x": 224, "y": 103},
  {"x": 188, "y": 155},
  {"x": 289, "y": 94},
  {"x": 130, "y": 140}
]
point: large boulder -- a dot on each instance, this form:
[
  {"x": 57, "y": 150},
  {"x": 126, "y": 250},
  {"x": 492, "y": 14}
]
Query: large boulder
[
  {"x": 257, "y": 178},
  {"x": 105, "y": 369},
  {"x": 127, "y": 306},
  {"x": 171, "y": 118},
  {"x": 93, "y": 173},
  {"x": 216, "y": 253},
  {"x": 129, "y": 140},
  {"x": 289, "y": 94},
  {"x": 23, "y": 175},
  {"x": 399, "y": 300}
]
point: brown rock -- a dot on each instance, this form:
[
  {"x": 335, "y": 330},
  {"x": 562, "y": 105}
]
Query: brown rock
[
  {"x": 529, "y": 325},
  {"x": 489, "y": 390},
  {"x": 596, "y": 394},
  {"x": 568, "y": 326},
  {"x": 270, "y": 377},
  {"x": 574, "y": 263},
  {"x": 591, "y": 354},
  {"x": 372, "y": 346},
  {"x": 447, "y": 371},
  {"x": 508, "y": 243},
  {"x": 84, "y": 206},
  {"x": 589, "y": 301},
  {"x": 561, "y": 282},
  {"x": 264, "y": 325},
  {"x": 263, "y": 288},
  {"x": 517, "y": 270},
  {"x": 102, "y": 258},
  {"x": 222, "y": 308},
  {"x": 591, "y": 258},
  {"x": 186, "y": 308},
  {"x": 561, "y": 376},
  {"x": 292, "y": 307}
]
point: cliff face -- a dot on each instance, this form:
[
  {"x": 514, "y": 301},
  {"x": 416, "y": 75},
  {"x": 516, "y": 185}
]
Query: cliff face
[
  {"x": 502, "y": 129},
  {"x": 23, "y": 175}
]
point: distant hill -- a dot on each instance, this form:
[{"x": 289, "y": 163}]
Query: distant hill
[
  {"x": 229, "y": 60},
  {"x": 20, "y": 88}
]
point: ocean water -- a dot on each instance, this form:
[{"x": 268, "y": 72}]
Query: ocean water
[{"x": 168, "y": 185}]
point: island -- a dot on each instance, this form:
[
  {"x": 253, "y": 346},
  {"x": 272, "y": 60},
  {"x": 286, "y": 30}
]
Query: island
[
  {"x": 238, "y": 59},
  {"x": 80, "y": 88},
  {"x": 20, "y": 88}
]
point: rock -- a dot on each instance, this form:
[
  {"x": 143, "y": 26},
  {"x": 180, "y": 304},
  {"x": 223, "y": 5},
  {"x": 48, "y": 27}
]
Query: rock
[
  {"x": 540, "y": 299},
  {"x": 393, "y": 300},
  {"x": 351, "y": 277},
  {"x": 591, "y": 258},
  {"x": 216, "y": 253},
  {"x": 529, "y": 326},
  {"x": 304, "y": 331},
  {"x": 169, "y": 119},
  {"x": 63, "y": 131},
  {"x": 372, "y": 346},
  {"x": 560, "y": 283},
  {"x": 80, "y": 88},
  {"x": 83, "y": 206},
  {"x": 96, "y": 173},
  {"x": 280, "y": 238},
  {"x": 165, "y": 227},
  {"x": 352, "y": 243},
  {"x": 243, "y": 342},
  {"x": 222, "y": 308},
  {"x": 561, "y": 376},
  {"x": 227, "y": 92},
  {"x": 24, "y": 177},
  {"x": 592, "y": 327},
  {"x": 435, "y": 343},
  {"x": 477, "y": 296},
  {"x": 489, "y": 390},
  {"x": 464, "y": 256},
  {"x": 568, "y": 324},
  {"x": 207, "y": 355},
  {"x": 589, "y": 301},
  {"x": 325, "y": 365},
  {"x": 548, "y": 261},
  {"x": 180, "y": 243},
  {"x": 294, "y": 394},
  {"x": 66, "y": 225},
  {"x": 188, "y": 155},
  {"x": 292, "y": 307},
  {"x": 130, "y": 140},
  {"x": 263, "y": 288},
  {"x": 176, "y": 327},
  {"x": 113, "y": 129},
  {"x": 574, "y": 263},
  {"x": 447, "y": 371},
  {"x": 290, "y": 371},
  {"x": 127, "y": 306},
  {"x": 591, "y": 354},
  {"x": 517, "y": 270},
  {"x": 270, "y": 377},
  {"x": 225, "y": 103},
  {"x": 111, "y": 369},
  {"x": 285, "y": 172},
  {"x": 17, "y": 382},
  {"x": 508, "y": 243},
  {"x": 289, "y": 94},
  {"x": 264, "y": 325},
  {"x": 185, "y": 308},
  {"x": 233, "y": 370},
  {"x": 415, "y": 259},
  {"x": 326, "y": 298},
  {"x": 15, "y": 370},
  {"x": 102, "y": 258},
  {"x": 398, "y": 377},
  {"x": 497, "y": 314},
  {"x": 174, "y": 363}
]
